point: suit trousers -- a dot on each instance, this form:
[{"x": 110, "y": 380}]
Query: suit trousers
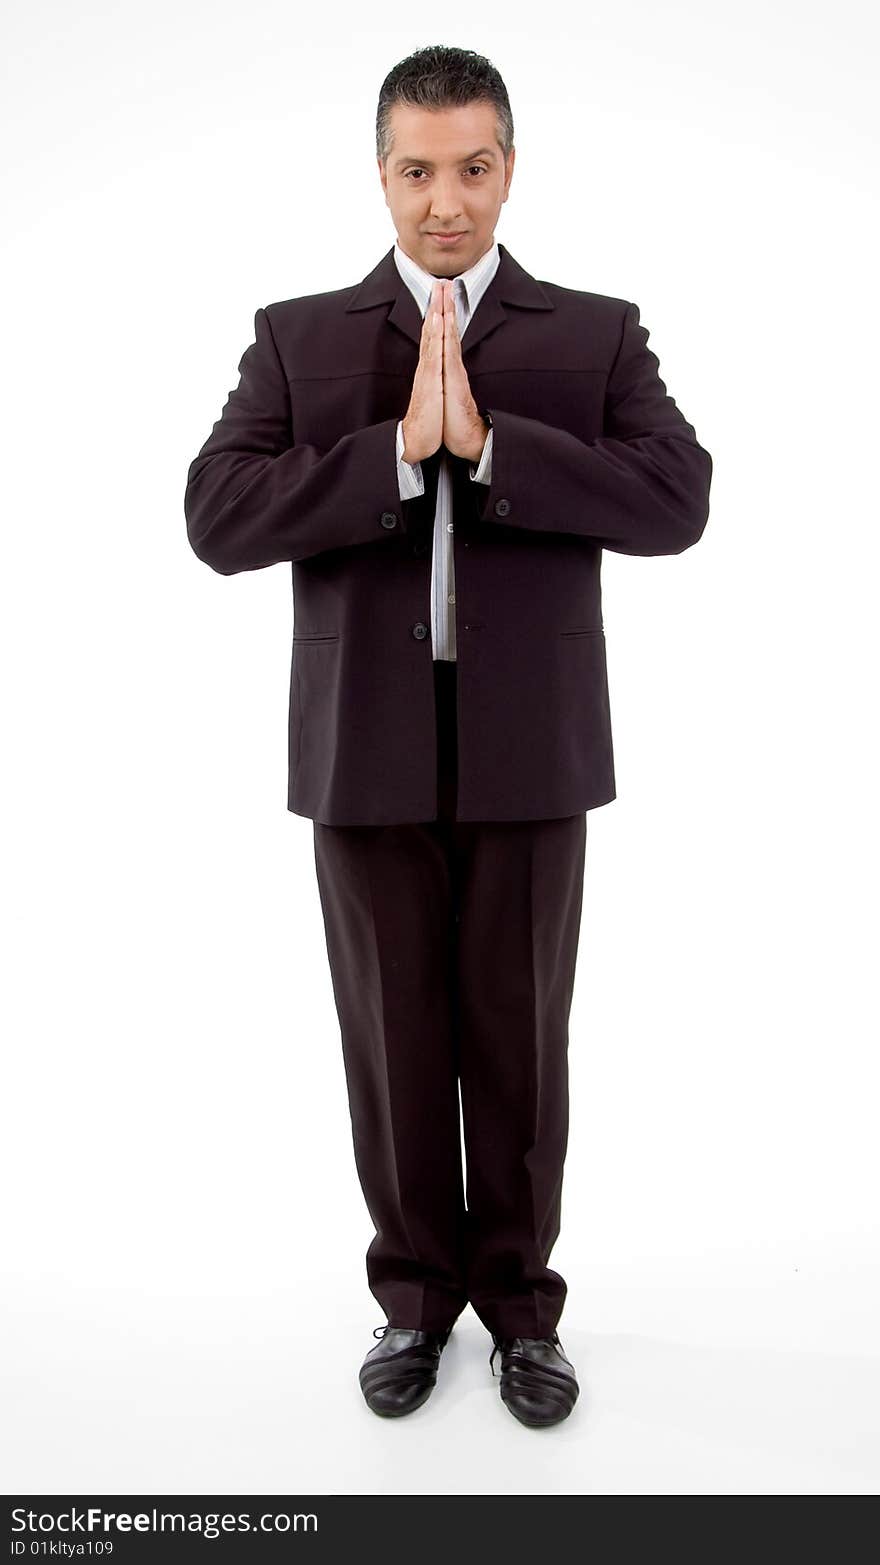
[{"x": 452, "y": 948}]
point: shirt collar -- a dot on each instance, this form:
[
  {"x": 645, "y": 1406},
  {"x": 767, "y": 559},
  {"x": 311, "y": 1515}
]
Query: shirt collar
[{"x": 476, "y": 279}]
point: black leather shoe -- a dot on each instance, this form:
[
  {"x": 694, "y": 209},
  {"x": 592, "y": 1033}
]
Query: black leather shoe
[
  {"x": 538, "y": 1382},
  {"x": 400, "y": 1373}
]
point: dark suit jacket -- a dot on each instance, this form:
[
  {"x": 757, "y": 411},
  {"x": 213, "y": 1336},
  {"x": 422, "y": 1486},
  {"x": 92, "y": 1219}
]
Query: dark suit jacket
[{"x": 589, "y": 453}]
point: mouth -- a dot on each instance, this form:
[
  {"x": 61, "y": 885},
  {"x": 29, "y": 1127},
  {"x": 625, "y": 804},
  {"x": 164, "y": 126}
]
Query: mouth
[{"x": 446, "y": 239}]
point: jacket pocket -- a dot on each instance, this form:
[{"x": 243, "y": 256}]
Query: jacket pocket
[
  {"x": 594, "y": 630},
  {"x": 317, "y": 635}
]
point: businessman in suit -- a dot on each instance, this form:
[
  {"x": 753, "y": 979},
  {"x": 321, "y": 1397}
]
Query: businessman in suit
[{"x": 441, "y": 452}]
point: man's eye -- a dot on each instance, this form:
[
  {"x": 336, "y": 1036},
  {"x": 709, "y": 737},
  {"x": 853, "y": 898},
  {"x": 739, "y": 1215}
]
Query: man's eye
[{"x": 477, "y": 166}]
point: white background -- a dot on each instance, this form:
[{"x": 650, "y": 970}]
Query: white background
[{"x": 184, "y": 1294}]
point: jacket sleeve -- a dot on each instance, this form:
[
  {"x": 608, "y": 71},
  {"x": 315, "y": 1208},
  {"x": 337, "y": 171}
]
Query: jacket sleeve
[
  {"x": 254, "y": 497},
  {"x": 640, "y": 488}
]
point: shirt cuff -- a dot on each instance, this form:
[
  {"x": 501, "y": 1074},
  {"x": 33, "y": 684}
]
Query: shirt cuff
[
  {"x": 410, "y": 481},
  {"x": 482, "y": 473}
]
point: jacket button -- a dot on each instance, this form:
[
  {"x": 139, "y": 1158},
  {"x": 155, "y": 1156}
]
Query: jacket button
[
  {"x": 502, "y": 507},
  {"x": 420, "y": 631},
  {"x": 388, "y": 519}
]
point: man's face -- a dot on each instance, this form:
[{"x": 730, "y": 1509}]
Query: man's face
[{"x": 445, "y": 173}]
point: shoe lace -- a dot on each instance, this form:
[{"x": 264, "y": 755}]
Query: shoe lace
[
  {"x": 501, "y": 1343},
  {"x": 380, "y": 1331}
]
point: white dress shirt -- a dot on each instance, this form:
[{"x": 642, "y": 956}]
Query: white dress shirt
[{"x": 468, "y": 289}]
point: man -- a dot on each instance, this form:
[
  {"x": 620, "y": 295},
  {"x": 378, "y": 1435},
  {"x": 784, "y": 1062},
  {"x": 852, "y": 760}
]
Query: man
[{"x": 442, "y": 452}]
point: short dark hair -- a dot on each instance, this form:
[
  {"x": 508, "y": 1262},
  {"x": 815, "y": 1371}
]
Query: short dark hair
[{"x": 438, "y": 77}]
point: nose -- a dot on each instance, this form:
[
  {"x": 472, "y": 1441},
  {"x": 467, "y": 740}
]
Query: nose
[{"x": 446, "y": 206}]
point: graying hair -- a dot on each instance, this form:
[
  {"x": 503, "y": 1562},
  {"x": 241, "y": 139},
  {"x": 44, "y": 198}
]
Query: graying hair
[{"x": 438, "y": 77}]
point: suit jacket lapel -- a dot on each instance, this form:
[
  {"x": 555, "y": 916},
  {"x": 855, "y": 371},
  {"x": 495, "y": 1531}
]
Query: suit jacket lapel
[{"x": 511, "y": 289}]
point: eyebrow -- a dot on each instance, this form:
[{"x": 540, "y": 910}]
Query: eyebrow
[{"x": 425, "y": 163}]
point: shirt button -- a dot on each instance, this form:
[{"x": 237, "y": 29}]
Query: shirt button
[
  {"x": 449, "y": 527},
  {"x": 451, "y": 598}
]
